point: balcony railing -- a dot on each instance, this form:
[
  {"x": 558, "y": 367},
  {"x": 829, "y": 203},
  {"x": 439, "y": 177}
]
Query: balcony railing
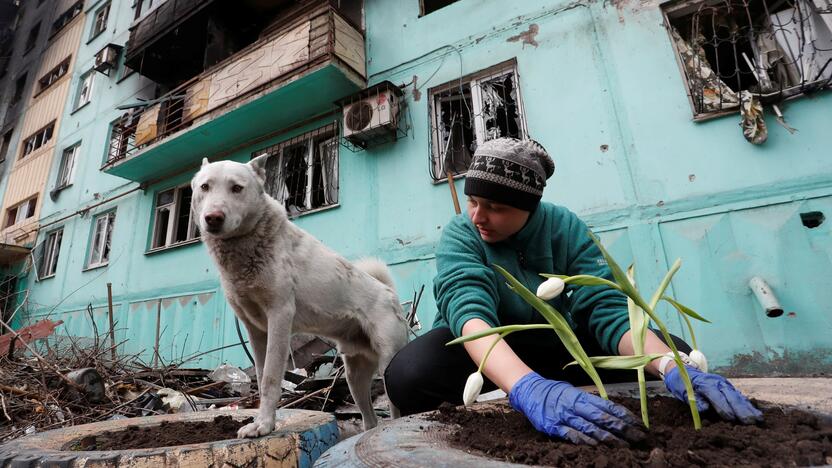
[{"x": 318, "y": 42}]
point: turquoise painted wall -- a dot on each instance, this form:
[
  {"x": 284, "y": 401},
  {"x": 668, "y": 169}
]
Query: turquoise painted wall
[{"x": 664, "y": 187}]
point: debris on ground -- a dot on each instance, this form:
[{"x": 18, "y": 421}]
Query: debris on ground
[{"x": 60, "y": 381}]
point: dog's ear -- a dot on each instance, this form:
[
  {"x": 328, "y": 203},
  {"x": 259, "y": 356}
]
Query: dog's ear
[
  {"x": 205, "y": 161},
  {"x": 258, "y": 165}
]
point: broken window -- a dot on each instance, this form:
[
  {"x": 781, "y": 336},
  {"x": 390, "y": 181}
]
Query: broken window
[
  {"x": 22, "y": 211},
  {"x": 302, "y": 173},
  {"x": 101, "y": 237},
  {"x": 67, "y": 168},
  {"x": 40, "y": 138},
  {"x": 53, "y": 75},
  {"x": 772, "y": 49},
  {"x": 67, "y": 16},
  {"x": 122, "y": 136},
  {"x": 48, "y": 261},
  {"x": 469, "y": 111},
  {"x": 84, "y": 94},
  {"x": 100, "y": 22},
  {"x": 173, "y": 223}
]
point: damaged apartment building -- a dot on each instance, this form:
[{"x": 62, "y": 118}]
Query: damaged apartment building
[{"x": 680, "y": 129}]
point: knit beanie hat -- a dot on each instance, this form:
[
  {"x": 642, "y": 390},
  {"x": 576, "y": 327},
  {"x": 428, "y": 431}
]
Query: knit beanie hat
[{"x": 509, "y": 171}]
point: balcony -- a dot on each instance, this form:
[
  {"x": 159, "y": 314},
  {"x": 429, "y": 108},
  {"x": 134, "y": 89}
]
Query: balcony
[{"x": 295, "y": 71}]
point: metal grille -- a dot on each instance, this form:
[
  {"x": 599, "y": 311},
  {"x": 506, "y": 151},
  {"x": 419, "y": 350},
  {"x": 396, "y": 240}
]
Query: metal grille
[
  {"x": 470, "y": 111},
  {"x": 774, "y": 49},
  {"x": 302, "y": 173}
]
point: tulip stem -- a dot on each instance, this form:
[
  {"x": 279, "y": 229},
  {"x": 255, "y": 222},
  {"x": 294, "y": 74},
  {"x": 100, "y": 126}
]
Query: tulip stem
[{"x": 487, "y": 353}]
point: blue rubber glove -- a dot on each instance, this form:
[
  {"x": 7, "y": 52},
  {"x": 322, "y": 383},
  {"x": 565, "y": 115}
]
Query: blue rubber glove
[
  {"x": 713, "y": 390},
  {"x": 560, "y": 410}
]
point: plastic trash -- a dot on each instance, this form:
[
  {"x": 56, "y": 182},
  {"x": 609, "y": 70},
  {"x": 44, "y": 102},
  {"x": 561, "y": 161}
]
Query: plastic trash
[
  {"x": 177, "y": 401},
  {"x": 240, "y": 382}
]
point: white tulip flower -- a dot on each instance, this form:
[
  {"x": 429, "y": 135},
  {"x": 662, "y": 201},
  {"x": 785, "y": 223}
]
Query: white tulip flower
[
  {"x": 550, "y": 289},
  {"x": 699, "y": 359},
  {"x": 472, "y": 388}
]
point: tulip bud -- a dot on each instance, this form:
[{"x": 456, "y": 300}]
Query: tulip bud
[
  {"x": 699, "y": 359},
  {"x": 550, "y": 289},
  {"x": 472, "y": 388}
]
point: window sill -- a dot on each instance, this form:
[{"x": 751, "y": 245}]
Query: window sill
[
  {"x": 46, "y": 277},
  {"x": 156, "y": 250},
  {"x": 80, "y": 107},
  {"x": 313, "y": 211},
  {"x": 95, "y": 267},
  {"x": 89, "y": 41}
]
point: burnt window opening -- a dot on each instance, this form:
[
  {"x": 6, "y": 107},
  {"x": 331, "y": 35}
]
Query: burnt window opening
[
  {"x": 427, "y": 7},
  {"x": 19, "y": 87},
  {"x": 4, "y": 146},
  {"x": 302, "y": 173},
  {"x": 773, "y": 49},
  {"x": 32, "y": 38},
  {"x": 812, "y": 219},
  {"x": 470, "y": 111}
]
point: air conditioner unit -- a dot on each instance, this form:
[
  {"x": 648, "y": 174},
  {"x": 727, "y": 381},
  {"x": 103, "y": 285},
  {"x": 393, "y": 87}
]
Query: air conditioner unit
[
  {"x": 107, "y": 58},
  {"x": 372, "y": 116}
]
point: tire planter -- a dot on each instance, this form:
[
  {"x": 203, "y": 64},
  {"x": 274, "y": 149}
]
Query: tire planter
[
  {"x": 302, "y": 436},
  {"x": 415, "y": 441}
]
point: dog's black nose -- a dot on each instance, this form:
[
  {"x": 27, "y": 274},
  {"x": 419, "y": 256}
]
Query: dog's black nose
[{"x": 214, "y": 220}]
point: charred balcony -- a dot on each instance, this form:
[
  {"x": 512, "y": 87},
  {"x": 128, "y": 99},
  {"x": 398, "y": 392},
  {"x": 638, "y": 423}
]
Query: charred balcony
[{"x": 308, "y": 58}]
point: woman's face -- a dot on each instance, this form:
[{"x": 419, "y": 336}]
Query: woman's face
[{"x": 495, "y": 221}]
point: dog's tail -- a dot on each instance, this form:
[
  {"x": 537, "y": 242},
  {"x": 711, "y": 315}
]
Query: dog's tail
[{"x": 377, "y": 269}]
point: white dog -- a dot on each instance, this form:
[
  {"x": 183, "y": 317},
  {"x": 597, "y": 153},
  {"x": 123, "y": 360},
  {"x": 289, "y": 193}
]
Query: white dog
[{"x": 280, "y": 280}]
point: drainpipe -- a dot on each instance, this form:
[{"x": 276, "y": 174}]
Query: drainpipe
[{"x": 765, "y": 296}]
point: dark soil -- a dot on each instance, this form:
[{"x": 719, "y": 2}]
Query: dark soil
[
  {"x": 783, "y": 439},
  {"x": 165, "y": 435}
]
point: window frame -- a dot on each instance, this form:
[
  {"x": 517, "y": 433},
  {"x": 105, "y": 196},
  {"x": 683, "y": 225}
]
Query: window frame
[
  {"x": 33, "y": 139},
  {"x": 474, "y": 82},
  {"x": 94, "y": 31},
  {"x": 64, "y": 182},
  {"x": 82, "y": 82},
  {"x": 672, "y": 12},
  {"x": 106, "y": 235},
  {"x": 50, "y": 254},
  {"x": 66, "y": 17},
  {"x": 31, "y": 206},
  {"x": 315, "y": 141},
  {"x": 174, "y": 209},
  {"x": 48, "y": 77}
]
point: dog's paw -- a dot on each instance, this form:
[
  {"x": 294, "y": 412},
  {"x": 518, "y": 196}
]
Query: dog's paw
[{"x": 259, "y": 427}]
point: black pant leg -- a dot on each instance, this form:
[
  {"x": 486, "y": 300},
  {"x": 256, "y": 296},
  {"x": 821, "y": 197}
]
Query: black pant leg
[{"x": 426, "y": 373}]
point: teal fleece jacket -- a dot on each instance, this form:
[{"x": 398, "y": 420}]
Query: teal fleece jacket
[{"x": 554, "y": 240}]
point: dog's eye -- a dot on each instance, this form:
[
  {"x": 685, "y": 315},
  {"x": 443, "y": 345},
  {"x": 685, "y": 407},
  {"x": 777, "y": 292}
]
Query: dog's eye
[
  {"x": 204, "y": 187},
  {"x": 236, "y": 188}
]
